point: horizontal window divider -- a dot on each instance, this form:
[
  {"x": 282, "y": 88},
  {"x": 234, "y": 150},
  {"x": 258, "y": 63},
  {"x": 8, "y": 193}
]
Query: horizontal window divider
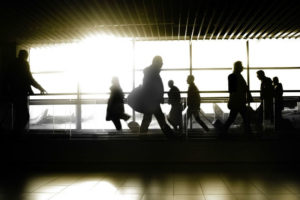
[
  {"x": 185, "y": 69},
  {"x": 182, "y": 92},
  {"x": 104, "y": 101},
  {"x": 49, "y": 72},
  {"x": 266, "y": 68}
]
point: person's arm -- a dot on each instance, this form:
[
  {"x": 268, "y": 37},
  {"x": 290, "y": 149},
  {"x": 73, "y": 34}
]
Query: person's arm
[
  {"x": 231, "y": 83},
  {"x": 33, "y": 82},
  {"x": 280, "y": 89}
]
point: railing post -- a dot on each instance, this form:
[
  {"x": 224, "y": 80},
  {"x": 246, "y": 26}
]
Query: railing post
[
  {"x": 78, "y": 108},
  {"x": 133, "y": 74}
]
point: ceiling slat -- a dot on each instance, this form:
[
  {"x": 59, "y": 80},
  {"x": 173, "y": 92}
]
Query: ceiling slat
[
  {"x": 147, "y": 18},
  {"x": 269, "y": 19},
  {"x": 209, "y": 24},
  {"x": 232, "y": 23},
  {"x": 217, "y": 24},
  {"x": 201, "y": 26},
  {"x": 186, "y": 25}
]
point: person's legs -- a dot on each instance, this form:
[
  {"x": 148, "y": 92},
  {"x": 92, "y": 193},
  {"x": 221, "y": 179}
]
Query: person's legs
[
  {"x": 197, "y": 118},
  {"x": 278, "y": 118},
  {"x": 269, "y": 109},
  {"x": 160, "y": 117},
  {"x": 125, "y": 116},
  {"x": 117, "y": 124},
  {"x": 246, "y": 119},
  {"x": 147, "y": 118},
  {"x": 230, "y": 120}
]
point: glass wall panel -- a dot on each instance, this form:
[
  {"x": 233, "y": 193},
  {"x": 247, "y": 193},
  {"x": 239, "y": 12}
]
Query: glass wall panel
[
  {"x": 102, "y": 59},
  {"x": 60, "y": 57},
  {"x": 218, "y": 53},
  {"x": 56, "y": 82},
  {"x": 94, "y": 117},
  {"x": 175, "y": 54},
  {"x": 179, "y": 78},
  {"x": 52, "y": 117},
  {"x": 101, "y": 82},
  {"x": 288, "y": 77},
  {"x": 214, "y": 80},
  {"x": 274, "y": 53}
]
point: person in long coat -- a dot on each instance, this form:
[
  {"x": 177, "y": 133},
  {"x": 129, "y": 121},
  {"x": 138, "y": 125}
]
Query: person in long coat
[
  {"x": 21, "y": 81},
  {"x": 115, "y": 105},
  {"x": 239, "y": 95},
  {"x": 175, "y": 115},
  {"x": 278, "y": 97},
  {"x": 153, "y": 89},
  {"x": 193, "y": 102}
]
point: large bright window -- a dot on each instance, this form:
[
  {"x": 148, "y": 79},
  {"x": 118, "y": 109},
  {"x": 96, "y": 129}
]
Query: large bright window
[
  {"x": 218, "y": 53},
  {"x": 175, "y": 54},
  {"x": 274, "y": 53},
  {"x": 85, "y": 69}
]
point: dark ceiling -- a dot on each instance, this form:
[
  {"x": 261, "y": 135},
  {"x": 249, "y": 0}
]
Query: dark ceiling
[{"x": 38, "y": 21}]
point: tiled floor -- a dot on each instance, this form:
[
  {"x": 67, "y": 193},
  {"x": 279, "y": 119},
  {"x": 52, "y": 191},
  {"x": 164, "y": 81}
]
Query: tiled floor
[{"x": 153, "y": 186}]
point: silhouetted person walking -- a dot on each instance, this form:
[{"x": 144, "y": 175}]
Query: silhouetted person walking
[
  {"x": 175, "y": 115},
  {"x": 278, "y": 97},
  {"x": 115, "y": 105},
  {"x": 239, "y": 95},
  {"x": 154, "y": 89},
  {"x": 266, "y": 96},
  {"x": 21, "y": 82},
  {"x": 193, "y": 102}
]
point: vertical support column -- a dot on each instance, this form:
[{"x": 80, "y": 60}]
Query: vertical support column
[
  {"x": 78, "y": 108},
  {"x": 191, "y": 72},
  {"x": 133, "y": 73},
  {"x": 191, "y": 57},
  {"x": 248, "y": 66}
]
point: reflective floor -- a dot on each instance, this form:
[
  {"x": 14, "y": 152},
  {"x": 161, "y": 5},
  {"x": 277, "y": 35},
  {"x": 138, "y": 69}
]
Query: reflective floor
[{"x": 200, "y": 185}]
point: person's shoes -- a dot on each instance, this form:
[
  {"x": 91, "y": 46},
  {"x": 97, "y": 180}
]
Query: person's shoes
[
  {"x": 134, "y": 126},
  {"x": 126, "y": 117}
]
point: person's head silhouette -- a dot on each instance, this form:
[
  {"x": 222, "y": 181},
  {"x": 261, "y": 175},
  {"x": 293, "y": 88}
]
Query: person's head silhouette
[
  {"x": 190, "y": 79},
  {"x": 157, "y": 61},
  {"x": 238, "y": 67},
  {"x": 115, "y": 81},
  {"x": 275, "y": 80},
  {"x": 170, "y": 83},
  {"x": 23, "y": 54},
  {"x": 260, "y": 74}
]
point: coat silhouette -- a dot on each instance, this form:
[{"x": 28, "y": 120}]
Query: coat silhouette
[
  {"x": 239, "y": 95},
  {"x": 193, "y": 102},
  {"x": 266, "y": 95},
  {"x": 21, "y": 81},
  {"x": 175, "y": 115},
  {"x": 115, "y": 105},
  {"x": 278, "y": 97},
  {"x": 154, "y": 89}
]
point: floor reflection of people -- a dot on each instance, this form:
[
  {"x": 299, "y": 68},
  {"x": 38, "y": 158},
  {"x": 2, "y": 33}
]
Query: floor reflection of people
[
  {"x": 21, "y": 82},
  {"x": 193, "y": 102}
]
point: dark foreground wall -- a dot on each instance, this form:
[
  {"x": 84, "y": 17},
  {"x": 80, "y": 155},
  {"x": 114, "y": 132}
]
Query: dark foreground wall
[{"x": 99, "y": 151}]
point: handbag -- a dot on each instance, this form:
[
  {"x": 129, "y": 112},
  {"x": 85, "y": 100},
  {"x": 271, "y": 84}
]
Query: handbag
[{"x": 141, "y": 101}]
